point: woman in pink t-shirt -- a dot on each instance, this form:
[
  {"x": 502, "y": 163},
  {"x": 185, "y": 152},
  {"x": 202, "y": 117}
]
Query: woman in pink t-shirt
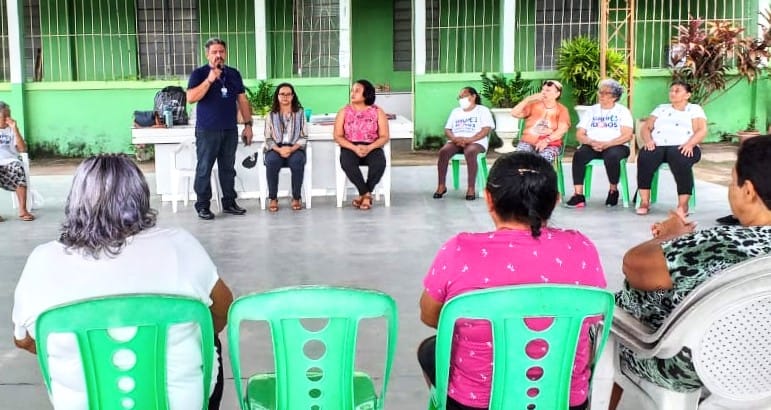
[
  {"x": 521, "y": 194},
  {"x": 361, "y": 130}
]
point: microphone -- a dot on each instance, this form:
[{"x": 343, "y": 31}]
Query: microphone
[{"x": 219, "y": 66}]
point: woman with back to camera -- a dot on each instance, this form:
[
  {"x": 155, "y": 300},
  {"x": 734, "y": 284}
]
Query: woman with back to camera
[
  {"x": 361, "y": 130},
  {"x": 521, "y": 194},
  {"x": 286, "y": 136},
  {"x": 467, "y": 131},
  {"x": 661, "y": 272},
  {"x": 109, "y": 245}
]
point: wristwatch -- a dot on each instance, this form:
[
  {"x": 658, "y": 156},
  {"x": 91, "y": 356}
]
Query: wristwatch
[{"x": 248, "y": 123}]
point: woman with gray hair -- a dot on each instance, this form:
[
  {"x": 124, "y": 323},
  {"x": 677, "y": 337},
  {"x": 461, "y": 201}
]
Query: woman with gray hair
[
  {"x": 604, "y": 131},
  {"x": 109, "y": 245}
]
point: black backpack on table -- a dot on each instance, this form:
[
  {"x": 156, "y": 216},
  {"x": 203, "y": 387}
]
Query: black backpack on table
[{"x": 174, "y": 98}]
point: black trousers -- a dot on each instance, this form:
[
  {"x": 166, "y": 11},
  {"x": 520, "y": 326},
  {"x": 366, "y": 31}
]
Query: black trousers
[
  {"x": 219, "y": 146},
  {"x": 216, "y": 395},
  {"x": 680, "y": 165},
  {"x": 376, "y": 165},
  {"x": 611, "y": 156},
  {"x": 427, "y": 360}
]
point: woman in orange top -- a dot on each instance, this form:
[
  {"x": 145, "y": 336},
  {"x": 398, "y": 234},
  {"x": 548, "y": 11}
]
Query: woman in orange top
[{"x": 546, "y": 121}]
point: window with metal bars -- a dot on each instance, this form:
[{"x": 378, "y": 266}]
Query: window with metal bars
[
  {"x": 5, "y": 67},
  {"x": 402, "y": 35},
  {"x": 656, "y": 21},
  {"x": 303, "y": 38},
  {"x": 542, "y": 25},
  {"x": 167, "y": 37},
  {"x": 462, "y": 36}
]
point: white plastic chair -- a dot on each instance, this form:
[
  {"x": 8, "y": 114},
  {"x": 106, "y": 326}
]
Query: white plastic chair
[
  {"x": 34, "y": 199},
  {"x": 383, "y": 187},
  {"x": 182, "y": 170},
  {"x": 307, "y": 178},
  {"x": 726, "y": 322}
]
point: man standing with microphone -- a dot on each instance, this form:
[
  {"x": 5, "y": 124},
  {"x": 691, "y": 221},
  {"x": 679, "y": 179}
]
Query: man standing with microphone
[{"x": 220, "y": 94}]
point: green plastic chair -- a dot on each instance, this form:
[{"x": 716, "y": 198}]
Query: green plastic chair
[
  {"x": 505, "y": 308},
  {"x": 560, "y": 172},
  {"x": 655, "y": 190},
  {"x": 142, "y": 386},
  {"x": 302, "y": 382},
  {"x": 482, "y": 171},
  {"x": 623, "y": 181}
]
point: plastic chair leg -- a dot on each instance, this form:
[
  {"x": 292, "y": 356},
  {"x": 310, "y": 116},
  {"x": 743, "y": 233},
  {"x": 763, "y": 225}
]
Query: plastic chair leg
[
  {"x": 455, "y": 174},
  {"x": 588, "y": 180},
  {"x": 560, "y": 176},
  {"x": 624, "y": 182}
]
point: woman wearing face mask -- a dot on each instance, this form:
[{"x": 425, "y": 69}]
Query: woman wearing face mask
[{"x": 467, "y": 131}]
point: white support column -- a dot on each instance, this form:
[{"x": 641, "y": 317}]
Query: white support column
[
  {"x": 419, "y": 36},
  {"x": 345, "y": 39},
  {"x": 261, "y": 39},
  {"x": 15, "y": 44},
  {"x": 508, "y": 31}
]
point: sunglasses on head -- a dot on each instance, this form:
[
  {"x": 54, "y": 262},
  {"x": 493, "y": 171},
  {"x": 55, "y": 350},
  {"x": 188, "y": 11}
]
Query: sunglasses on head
[{"x": 552, "y": 83}]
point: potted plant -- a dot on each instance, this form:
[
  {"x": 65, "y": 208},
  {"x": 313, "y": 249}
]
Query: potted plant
[
  {"x": 749, "y": 132},
  {"x": 503, "y": 94},
  {"x": 578, "y": 65},
  {"x": 262, "y": 99}
]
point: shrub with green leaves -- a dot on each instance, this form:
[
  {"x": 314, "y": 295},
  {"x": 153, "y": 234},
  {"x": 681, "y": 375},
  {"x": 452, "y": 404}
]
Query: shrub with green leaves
[{"x": 578, "y": 65}]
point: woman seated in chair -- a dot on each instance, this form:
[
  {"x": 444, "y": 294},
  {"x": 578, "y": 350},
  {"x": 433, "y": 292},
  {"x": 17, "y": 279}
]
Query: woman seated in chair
[
  {"x": 361, "y": 130},
  {"x": 521, "y": 194},
  {"x": 604, "y": 132},
  {"x": 109, "y": 245},
  {"x": 661, "y": 272},
  {"x": 546, "y": 121},
  {"x": 671, "y": 134},
  {"x": 12, "y": 175},
  {"x": 286, "y": 135},
  {"x": 467, "y": 131}
]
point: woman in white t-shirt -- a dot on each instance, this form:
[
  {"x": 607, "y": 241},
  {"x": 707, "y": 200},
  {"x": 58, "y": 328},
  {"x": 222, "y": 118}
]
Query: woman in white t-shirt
[
  {"x": 12, "y": 175},
  {"x": 109, "y": 245},
  {"x": 467, "y": 131},
  {"x": 671, "y": 134},
  {"x": 604, "y": 132}
]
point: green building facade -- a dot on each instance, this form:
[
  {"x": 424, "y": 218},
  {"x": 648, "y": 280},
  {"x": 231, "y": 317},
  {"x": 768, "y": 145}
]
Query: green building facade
[{"x": 74, "y": 71}]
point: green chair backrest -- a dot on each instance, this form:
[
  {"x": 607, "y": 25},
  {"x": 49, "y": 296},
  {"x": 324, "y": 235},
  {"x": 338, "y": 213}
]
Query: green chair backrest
[
  {"x": 283, "y": 309},
  {"x": 143, "y": 385},
  {"x": 506, "y": 308}
]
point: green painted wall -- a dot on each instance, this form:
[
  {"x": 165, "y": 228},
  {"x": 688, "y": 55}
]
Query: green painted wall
[
  {"x": 84, "y": 118},
  {"x": 372, "y": 37},
  {"x": 232, "y": 21}
]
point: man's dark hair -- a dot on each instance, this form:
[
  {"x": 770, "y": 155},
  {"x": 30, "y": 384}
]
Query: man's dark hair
[
  {"x": 752, "y": 164},
  {"x": 215, "y": 40}
]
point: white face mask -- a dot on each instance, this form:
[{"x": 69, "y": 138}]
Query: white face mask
[{"x": 464, "y": 103}]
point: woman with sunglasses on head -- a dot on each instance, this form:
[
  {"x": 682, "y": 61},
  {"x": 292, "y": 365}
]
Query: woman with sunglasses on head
[
  {"x": 546, "y": 121},
  {"x": 604, "y": 133},
  {"x": 467, "y": 132},
  {"x": 286, "y": 135}
]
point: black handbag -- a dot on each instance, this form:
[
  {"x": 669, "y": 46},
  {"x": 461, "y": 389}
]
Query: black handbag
[{"x": 144, "y": 118}]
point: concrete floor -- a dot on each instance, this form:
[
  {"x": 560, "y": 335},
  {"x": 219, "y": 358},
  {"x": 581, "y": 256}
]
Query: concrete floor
[{"x": 387, "y": 249}]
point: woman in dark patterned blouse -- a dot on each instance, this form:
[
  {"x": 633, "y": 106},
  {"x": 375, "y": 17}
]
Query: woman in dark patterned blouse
[{"x": 662, "y": 271}]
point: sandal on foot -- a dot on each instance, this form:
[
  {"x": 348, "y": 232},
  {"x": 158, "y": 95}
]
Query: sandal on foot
[
  {"x": 28, "y": 217},
  {"x": 296, "y": 205},
  {"x": 366, "y": 202},
  {"x": 2, "y": 219},
  {"x": 357, "y": 202},
  {"x": 471, "y": 196},
  {"x": 643, "y": 210},
  {"x": 273, "y": 205}
]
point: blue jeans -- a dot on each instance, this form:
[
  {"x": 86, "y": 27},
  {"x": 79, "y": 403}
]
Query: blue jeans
[
  {"x": 273, "y": 164},
  {"x": 219, "y": 146}
]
